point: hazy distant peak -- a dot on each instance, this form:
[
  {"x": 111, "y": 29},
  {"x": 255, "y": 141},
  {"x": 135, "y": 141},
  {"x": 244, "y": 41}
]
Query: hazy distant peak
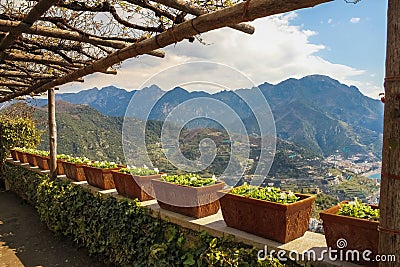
[
  {"x": 110, "y": 89},
  {"x": 154, "y": 88},
  {"x": 179, "y": 90}
]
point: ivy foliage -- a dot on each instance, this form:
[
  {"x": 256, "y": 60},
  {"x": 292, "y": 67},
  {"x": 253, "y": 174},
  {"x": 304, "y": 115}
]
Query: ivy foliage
[{"x": 121, "y": 232}]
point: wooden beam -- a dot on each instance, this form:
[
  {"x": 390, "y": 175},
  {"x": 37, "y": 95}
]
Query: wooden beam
[
  {"x": 229, "y": 16},
  {"x": 389, "y": 223},
  {"x": 52, "y": 132},
  {"x": 36, "y": 12},
  {"x": 7, "y": 25},
  {"x": 45, "y": 60},
  {"x": 26, "y": 75},
  {"x": 110, "y": 71},
  {"x": 12, "y": 83},
  {"x": 188, "y": 7}
]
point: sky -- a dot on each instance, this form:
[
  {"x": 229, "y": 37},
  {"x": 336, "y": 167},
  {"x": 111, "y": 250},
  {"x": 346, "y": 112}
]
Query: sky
[{"x": 344, "y": 41}]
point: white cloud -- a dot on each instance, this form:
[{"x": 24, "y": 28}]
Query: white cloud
[
  {"x": 330, "y": 21},
  {"x": 355, "y": 20},
  {"x": 275, "y": 52}
]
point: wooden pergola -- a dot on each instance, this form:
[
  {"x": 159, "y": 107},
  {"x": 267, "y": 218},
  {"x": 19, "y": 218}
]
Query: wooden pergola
[{"x": 48, "y": 43}]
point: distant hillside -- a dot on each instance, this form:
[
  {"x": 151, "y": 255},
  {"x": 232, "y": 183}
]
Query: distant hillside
[
  {"x": 83, "y": 131},
  {"x": 342, "y": 102},
  {"x": 316, "y": 111}
]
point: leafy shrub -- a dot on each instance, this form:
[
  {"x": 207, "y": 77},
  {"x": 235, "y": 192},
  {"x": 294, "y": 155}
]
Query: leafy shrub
[
  {"x": 272, "y": 194},
  {"x": 143, "y": 171},
  {"x": 360, "y": 210},
  {"x": 123, "y": 233},
  {"x": 17, "y": 132},
  {"x": 190, "y": 180}
]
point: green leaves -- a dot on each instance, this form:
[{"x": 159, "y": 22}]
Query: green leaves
[
  {"x": 189, "y": 180},
  {"x": 143, "y": 171},
  {"x": 360, "y": 210},
  {"x": 17, "y": 132},
  {"x": 33, "y": 151},
  {"x": 63, "y": 156},
  {"x": 78, "y": 160},
  {"x": 103, "y": 164},
  {"x": 272, "y": 194}
]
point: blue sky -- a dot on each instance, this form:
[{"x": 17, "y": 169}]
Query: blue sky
[
  {"x": 344, "y": 41},
  {"x": 355, "y": 34}
]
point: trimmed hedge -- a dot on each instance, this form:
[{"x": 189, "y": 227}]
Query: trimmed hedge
[
  {"x": 120, "y": 231},
  {"x": 16, "y": 131}
]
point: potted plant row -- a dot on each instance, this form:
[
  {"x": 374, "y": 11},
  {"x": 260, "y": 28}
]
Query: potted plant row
[
  {"x": 356, "y": 223},
  {"x": 267, "y": 212},
  {"x": 98, "y": 174},
  {"x": 73, "y": 167},
  {"x": 135, "y": 182},
  {"x": 32, "y": 156},
  {"x": 188, "y": 194}
]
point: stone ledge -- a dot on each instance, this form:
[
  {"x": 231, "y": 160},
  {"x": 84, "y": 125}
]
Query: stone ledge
[{"x": 215, "y": 226}]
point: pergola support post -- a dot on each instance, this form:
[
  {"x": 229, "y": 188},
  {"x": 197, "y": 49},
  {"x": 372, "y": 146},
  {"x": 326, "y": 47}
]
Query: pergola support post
[
  {"x": 389, "y": 229},
  {"x": 52, "y": 132}
]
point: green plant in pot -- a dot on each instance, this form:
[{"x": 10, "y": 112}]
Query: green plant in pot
[
  {"x": 98, "y": 174},
  {"x": 269, "y": 212},
  {"x": 60, "y": 159},
  {"x": 188, "y": 194},
  {"x": 357, "y": 223},
  {"x": 135, "y": 182},
  {"x": 73, "y": 167},
  {"x": 42, "y": 159},
  {"x": 31, "y": 156},
  {"x": 21, "y": 154}
]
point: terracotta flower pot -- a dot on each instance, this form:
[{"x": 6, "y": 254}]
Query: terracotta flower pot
[
  {"x": 14, "y": 154},
  {"x": 22, "y": 157},
  {"x": 275, "y": 221},
  {"x": 74, "y": 171},
  {"x": 133, "y": 186},
  {"x": 60, "y": 167},
  {"x": 360, "y": 234},
  {"x": 98, "y": 177},
  {"x": 31, "y": 159},
  {"x": 195, "y": 202},
  {"x": 42, "y": 162}
]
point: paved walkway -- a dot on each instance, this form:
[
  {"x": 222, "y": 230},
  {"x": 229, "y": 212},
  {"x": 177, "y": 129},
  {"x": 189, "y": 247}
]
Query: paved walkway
[{"x": 25, "y": 241}]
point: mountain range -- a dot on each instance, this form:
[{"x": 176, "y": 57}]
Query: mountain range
[
  {"x": 316, "y": 111},
  {"x": 84, "y": 131}
]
